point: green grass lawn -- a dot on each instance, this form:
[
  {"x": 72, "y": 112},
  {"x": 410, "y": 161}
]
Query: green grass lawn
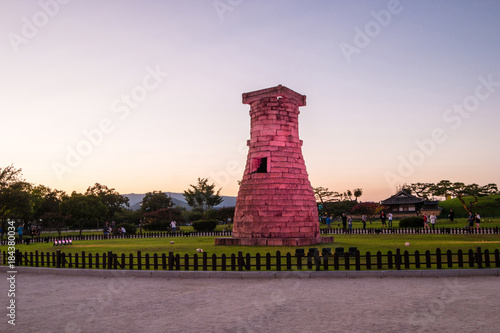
[
  {"x": 440, "y": 223},
  {"x": 188, "y": 245}
]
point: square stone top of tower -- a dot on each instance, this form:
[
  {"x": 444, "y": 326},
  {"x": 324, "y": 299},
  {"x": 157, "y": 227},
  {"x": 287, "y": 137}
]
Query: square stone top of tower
[{"x": 278, "y": 91}]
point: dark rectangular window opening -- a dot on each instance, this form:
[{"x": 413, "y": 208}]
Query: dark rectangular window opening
[{"x": 260, "y": 165}]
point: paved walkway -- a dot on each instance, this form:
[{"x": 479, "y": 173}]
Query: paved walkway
[{"x": 62, "y": 303}]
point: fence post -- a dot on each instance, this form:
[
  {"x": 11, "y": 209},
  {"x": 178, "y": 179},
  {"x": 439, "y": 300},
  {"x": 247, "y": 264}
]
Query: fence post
[
  {"x": 195, "y": 262},
  {"x": 368, "y": 260},
  {"x": 58, "y": 254},
  {"x": 17, "y": 258},
  {"x": 233, "y": 262},
  {"x": 214, "y": 262},
  {"x": 110, "y": 259},
  {"x": 268, "y": 261},
  {"x": 389, "y": 260},
  {"x": 428, "y": 259},
  {"x": 336, "y": 265},
  {"x": 205, "y": 261},
  {"x": 130, "y": 261},
  {"x": 479, "y": 258},
  {"x": 398, "y": 259},
  {"x": 460, "y": 259},
  {"x": 357, "y": 258},
  {"x": 471, "y": 258},
  {"x": 278, "y": 260},
  {"x": 379, "y": 260},
  {"x": 223, "y": 261},
  {"x": 170, "y": 261},
  {"x": 497, "y": 258},
  {"x": 139, "y": 260},
  {"x": 438, "y": 258},
  {"x": 240, "y": 260},
  {"x": 449, "y": 258},
  {"x": 406, "y": 255},
  {"x": 317, "y": 260},
  {"x": 487, "y": 258}
]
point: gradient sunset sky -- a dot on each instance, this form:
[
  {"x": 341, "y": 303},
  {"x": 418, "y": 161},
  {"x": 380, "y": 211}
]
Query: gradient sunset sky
[{"x": 146, "y": 95}]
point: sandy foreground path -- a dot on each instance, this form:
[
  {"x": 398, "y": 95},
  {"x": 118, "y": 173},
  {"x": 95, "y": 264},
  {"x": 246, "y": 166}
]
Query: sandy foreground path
[{"x": 54, "y": 303}]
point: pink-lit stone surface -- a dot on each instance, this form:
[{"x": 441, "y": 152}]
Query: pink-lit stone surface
[{"x": 276, "y": 203}]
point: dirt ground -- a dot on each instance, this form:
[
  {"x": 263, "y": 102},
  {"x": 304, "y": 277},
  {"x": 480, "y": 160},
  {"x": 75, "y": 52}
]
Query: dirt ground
[{"x": 54, "y": 303}]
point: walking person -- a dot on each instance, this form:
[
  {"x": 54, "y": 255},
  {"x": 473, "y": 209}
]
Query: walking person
[
  {"x": 363, "y": 219},
  {"x": 478, "y": 221},
  {"x": 173, "y": 225},
  {"x": 20, "y": 233},
  {"x": 349, "y": 223},
  {"x": 433, "y": 220},
  {"x": 328, "y": 222},
  {"x": 426, "y": 222},
  {"x": 390, "y": 220},
  {"x": 471, "y": 220}
]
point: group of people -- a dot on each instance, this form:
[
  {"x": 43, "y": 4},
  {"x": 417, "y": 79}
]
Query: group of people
[
  {"x": 474, "y": 218},
  {"x": 384, "y": 217},
  {"x": 27, "y": 229},
  {"x": 432, "y": 218},
  {"x": 108, "y": 229}
]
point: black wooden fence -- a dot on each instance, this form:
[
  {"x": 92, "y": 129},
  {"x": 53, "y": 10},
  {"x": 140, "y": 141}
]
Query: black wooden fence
[
  {"x": 411, "y": 231},
  {"x": 239, "y": 262},
  {"x": 159, "y": 234}
]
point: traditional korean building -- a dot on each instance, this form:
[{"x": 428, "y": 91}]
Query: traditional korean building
[{"x": 404, "y": 204}]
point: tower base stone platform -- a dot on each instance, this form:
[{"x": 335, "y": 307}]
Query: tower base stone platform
[{"x": 303, "y": 241}]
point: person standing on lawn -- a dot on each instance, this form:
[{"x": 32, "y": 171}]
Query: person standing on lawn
[
  {"x": 344, "y": 221},
  {"x": 383, "y": 217},
  {"x": 433, "y": 220},
  {"x": 451, "y": 215}
]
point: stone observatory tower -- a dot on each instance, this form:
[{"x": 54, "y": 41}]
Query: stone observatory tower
[{"x": 275, "y": 203}]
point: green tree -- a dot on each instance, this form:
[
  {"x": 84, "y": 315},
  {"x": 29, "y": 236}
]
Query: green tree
[
  {"x": 46, "y": 206},
  {"x": 15, "y": 197},
  {"x": 114, "y": 201},
  {"x": 370, "y": 209},
  {"x": 421, "y": 190},
  {"x": 357, "y": 193},
  {"x": 82, "y": 209},
  {"x": 460, "y": 190},
  {"x": 202, "y": 196},
  {"x": 154, "y": 201}
]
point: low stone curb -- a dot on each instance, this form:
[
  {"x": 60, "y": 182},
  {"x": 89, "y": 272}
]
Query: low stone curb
[{"x": 254, "y": 275}]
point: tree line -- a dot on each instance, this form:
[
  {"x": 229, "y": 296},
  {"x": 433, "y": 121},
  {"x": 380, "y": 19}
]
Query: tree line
[{"x": 39, "y": 205}]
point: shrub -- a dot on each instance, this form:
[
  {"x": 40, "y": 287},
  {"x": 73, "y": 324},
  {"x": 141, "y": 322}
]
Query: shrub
[
  {"x": 205, "y": 225},
  {"x": 157, "y": 226},
  {"x": 129, "y": 228},
  {"x": 412, "y": 222}
]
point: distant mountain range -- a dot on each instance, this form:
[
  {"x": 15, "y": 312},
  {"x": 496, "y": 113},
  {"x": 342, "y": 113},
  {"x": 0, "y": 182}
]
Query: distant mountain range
[{"x": 177, "y": 198}]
